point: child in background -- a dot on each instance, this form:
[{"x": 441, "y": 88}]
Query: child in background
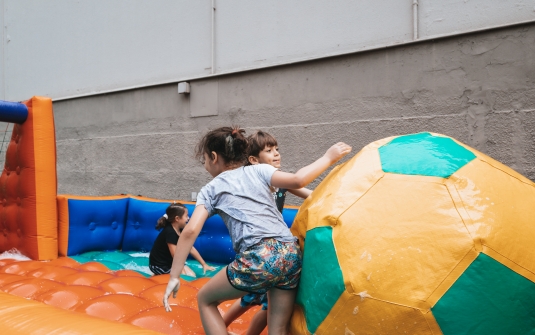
[
  {"x": 163, "y": 249},
  {"x": 263, "y": 149},
  {"x": 268, "y": 258}
]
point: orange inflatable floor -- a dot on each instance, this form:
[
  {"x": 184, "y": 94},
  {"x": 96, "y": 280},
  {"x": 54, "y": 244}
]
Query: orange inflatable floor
[{"x": 120, "y": 296}]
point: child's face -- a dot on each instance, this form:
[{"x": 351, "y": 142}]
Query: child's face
[
  {"x": 271, "y": 156},
  {"x": 183, "y": 220}
]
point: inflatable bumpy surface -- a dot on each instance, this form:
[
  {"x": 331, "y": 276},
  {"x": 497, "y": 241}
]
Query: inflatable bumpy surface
[{"x": 418, "y": 234}]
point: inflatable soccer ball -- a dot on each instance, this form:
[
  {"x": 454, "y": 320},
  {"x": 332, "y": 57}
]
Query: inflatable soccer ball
[{"x": 418, "y": 234}]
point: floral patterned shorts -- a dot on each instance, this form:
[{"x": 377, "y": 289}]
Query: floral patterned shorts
[{"x": 267, "y": 264}]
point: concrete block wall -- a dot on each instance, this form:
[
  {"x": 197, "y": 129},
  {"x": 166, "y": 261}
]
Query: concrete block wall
[{"x": 478, "y": 88}]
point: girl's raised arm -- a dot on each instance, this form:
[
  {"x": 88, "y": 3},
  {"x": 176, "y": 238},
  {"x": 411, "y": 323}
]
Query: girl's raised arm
[
  {"x": 310, "y": 172},
  {"x": 183, "y": 248}
]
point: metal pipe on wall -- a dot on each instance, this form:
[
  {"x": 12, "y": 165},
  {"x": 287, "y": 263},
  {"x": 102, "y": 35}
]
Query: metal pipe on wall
[
  {"x": 3, "y": 25},
  {"x": 415, "y": 19},
  {"x": 213, "y": 37}
]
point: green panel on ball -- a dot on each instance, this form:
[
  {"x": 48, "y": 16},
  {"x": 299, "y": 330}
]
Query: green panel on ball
[
  {"x": 488, "y": 298},
  {"x": 424, "y": 154},
  {"x": 321, "y": 282}
]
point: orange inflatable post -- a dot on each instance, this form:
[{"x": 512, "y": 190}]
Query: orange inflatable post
[{"x": 28, "y": 185}]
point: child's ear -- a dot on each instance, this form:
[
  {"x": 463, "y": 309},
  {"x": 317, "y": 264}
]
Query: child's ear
[
  {"x": 253, "y": 160},
  {"x": 214, "y": 157}
]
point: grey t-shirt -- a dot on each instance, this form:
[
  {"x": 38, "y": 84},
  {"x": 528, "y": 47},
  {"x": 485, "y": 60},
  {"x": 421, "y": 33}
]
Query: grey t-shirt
[{"x": 243, "y": 199}]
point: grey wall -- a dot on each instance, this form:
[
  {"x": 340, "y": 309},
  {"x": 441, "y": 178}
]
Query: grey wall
[
  {"x": 478, "y": 88},
  {"x": 66, "y": 48}
]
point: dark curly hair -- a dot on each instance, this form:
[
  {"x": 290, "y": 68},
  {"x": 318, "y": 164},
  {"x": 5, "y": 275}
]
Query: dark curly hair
[{"x": 228, "y": 142}]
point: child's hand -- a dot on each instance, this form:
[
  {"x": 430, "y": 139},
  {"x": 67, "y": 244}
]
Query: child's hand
[
  {"x": 172, "y": 287},
  {"x": 207, "y": 267},
  {"x": 337, "y": 151}
]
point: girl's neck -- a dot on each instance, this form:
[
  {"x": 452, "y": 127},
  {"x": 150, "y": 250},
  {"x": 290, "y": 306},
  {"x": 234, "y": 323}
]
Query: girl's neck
[
  {"x": 176, "y": 227},
  {"x": 230, "y": 167}
]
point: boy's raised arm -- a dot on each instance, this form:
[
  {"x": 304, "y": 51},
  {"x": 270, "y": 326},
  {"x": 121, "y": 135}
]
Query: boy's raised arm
[{"x": 301, "y": 192}]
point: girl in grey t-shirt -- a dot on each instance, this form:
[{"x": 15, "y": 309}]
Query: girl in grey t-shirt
[{"x": 268, "y": 258}]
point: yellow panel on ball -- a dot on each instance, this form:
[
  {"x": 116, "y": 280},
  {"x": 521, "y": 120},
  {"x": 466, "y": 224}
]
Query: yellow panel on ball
[
  {"x": 499, "y": 212},
  {"x": 401, "y": 240},
  {"x": 341, "y": 188},
  {"x": 358, "y": 314}
]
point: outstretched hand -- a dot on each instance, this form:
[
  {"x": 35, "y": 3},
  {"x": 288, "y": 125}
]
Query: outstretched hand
[
  {"x": 172, "y": 288},
  {"x": 207, "y": 267},
  {"x": 337, "y": 151}
]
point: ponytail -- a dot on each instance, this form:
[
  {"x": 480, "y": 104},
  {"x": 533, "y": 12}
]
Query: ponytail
[
  {"x": 228, "y": 142},
  {"x": 174, "y": 210},
  {"x": 162, "y": 222}
]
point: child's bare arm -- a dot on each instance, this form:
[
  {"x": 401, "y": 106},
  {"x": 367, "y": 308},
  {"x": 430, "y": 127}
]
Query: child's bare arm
[
  {"x": 304, "y": 176},
  {"x": 195, "y": 254},
  {"x": 301, "y": 193},
  {"x": 183, "y": 248}
]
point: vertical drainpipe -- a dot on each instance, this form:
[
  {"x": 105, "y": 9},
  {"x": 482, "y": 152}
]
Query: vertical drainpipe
[
  {"x": 415, "y": 19},
  {"x": 213, "y": 37},
  {"x": 3, "y": 52}
]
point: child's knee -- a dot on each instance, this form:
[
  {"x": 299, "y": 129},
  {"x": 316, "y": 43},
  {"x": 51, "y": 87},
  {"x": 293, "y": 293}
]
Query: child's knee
[
  {"x": 202, "y": 297},
  {"x": 205, "y": 298}
]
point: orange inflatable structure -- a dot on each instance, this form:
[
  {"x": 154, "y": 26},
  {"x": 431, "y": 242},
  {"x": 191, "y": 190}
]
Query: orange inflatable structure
[
  {"x": 28, "y": 187},
  {"x": 51, "y": 295},
  {"x": 65, "y": 296}
]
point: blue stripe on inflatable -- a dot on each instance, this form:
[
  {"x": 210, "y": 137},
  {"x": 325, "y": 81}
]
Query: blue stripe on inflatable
[
  {"x": 213, "y": 243},
  {"x": 129, "y": 225},
  {"x": 288, "y": 214},
  {"x": 13, "y": 112},
  {"x": 141, "y": 219},
  {"x": 96, "y": 225}
]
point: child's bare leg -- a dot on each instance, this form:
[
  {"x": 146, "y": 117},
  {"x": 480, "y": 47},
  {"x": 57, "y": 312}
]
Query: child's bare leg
[
  {"x": 258, "y": 323},
  {"x": 215, "y": 291},
  {"x": 234, "y": 312},
  {"x": 280, "y": 307}
]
